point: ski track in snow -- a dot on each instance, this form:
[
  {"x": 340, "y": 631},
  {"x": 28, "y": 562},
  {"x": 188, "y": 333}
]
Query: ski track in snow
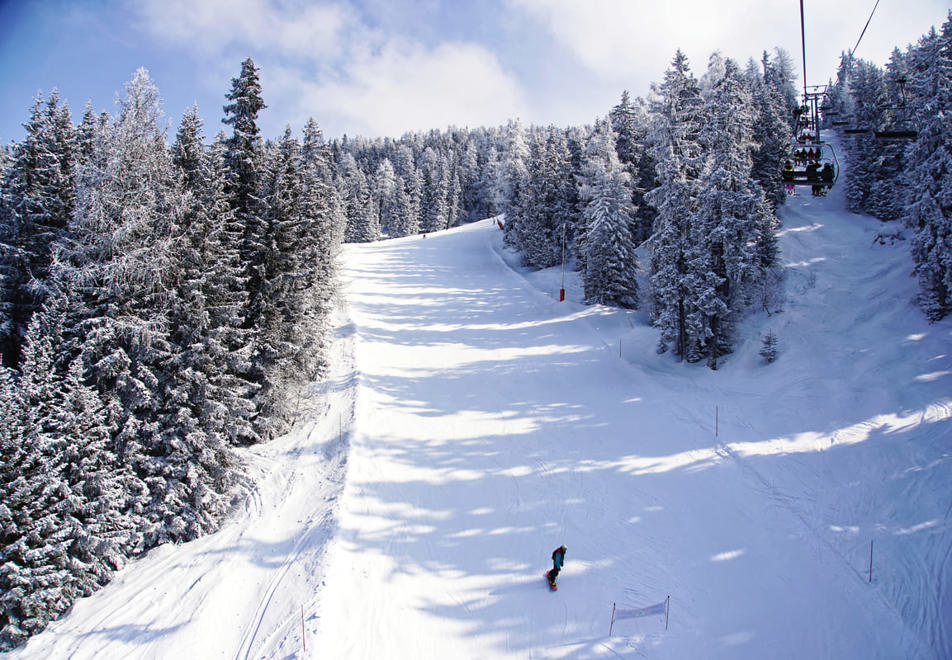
[{"x": 472, "y": 423}]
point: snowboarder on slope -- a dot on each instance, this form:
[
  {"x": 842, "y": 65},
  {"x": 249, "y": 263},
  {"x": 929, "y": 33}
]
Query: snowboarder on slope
[{"x": 558, "y": 558}]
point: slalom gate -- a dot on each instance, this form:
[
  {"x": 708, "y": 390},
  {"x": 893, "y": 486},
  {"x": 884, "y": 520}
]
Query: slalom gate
[{"x": 664, "y": 607}]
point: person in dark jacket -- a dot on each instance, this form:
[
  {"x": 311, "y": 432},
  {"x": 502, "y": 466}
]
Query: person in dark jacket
[{"x": 558, "y": 558}]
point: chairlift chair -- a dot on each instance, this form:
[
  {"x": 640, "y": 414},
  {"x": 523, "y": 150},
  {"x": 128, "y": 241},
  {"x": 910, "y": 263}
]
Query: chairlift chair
[
  {"x": 819, "y": 170},
  {"x": 899, "y": 130},
  {"x": 896, "y": 134}
]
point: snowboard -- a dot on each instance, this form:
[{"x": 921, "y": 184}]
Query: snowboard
[{"x": 552, "y": 585}]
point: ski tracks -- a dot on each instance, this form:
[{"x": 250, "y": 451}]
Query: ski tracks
[
  {"x": 317, "y": 470},
  {"x": 788, "y": 503},
  {"x": 315, "y": 536}
]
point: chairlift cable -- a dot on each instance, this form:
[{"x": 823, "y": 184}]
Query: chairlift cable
[
  {"x": 803, "y": 44},
  {"x": 852, "y": 52}
]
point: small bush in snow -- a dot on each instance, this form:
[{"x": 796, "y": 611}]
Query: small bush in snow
[{"x": 768, "y": 351}]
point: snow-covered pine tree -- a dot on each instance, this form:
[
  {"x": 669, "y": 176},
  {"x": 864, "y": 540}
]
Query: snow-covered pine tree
[
  {"x": 716, "y": 69},
  {"x": 511, "y": 187},
  {"x": 401, "y": 209},
  {"x": 840, "y": 101},
  {"x": 454, "y": 200},
  {"x": 786, "y": 76},
  {"x": 490, "y": 181},
  {"x": 624, "y": 124},
  {"x": 290, "y": 326},
  {"x": 406, "y": 220},
  {"x": 86, "y": 133},
  {"x": 561, "y": 190},
  {"x": 729, "y": 213},
  {"x": 36, "y": 201},
  {"x": 117, "y": 271},
  {"x": 528, "y": 231},
  {"x": 230, "y": 402},
  {"x": 472, "y": 202},
  {"x": 322, "y": 235},
  {"x": 677, "y": 154},
  {"x": 65, "y": 519},
  {"x": 33, "y": 544},
  {"x": 888, "y": 192},
  {"x": 867, "y": 87},
  {"x": 630, "y": 123},
  {"x": 244, "y": 164},
  {"x": 435, "y": 194},
  {"x": 929, "y": 175},
  {"x": 385, "y": 189},
  {"x": 323, "y": 202},
  {"x": 548, "y": 203},
  {"x": 281, "y": 272},
  {"x": 104, "y": 491},
  {"x": 243, "y": 157},
  {"x": 766, "y": 287},
  {"x": 768, "y": 348},
  {"x": 6, "y": 159},
  {"x": 193, "y": 432},
  {"x": 610, "y": 274},
  {"x": 359, "y": 203},
  {"x": 315, "y": 153},
  {"x": 772, "y": 132}
]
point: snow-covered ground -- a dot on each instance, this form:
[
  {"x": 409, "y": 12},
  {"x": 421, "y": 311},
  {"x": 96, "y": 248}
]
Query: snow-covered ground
[{"x": 473, "y": 423}]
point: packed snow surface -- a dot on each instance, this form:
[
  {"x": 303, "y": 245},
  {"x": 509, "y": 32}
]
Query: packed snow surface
[{"x": 472, "y": 423}]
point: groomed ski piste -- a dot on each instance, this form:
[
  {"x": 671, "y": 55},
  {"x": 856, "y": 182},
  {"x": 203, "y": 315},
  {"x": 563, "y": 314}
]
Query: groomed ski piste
[{"x": 472, "y": 423}]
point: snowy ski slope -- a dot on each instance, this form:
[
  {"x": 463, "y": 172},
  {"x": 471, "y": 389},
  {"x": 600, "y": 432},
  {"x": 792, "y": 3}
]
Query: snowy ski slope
[{"x": 473, "y": 423}]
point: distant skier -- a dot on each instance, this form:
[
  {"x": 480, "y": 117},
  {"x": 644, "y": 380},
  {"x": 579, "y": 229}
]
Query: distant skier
[{"x": 558, "y": 558}]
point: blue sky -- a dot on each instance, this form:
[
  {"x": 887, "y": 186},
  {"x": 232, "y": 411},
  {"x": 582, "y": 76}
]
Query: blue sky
[{"x": 383, "y": 67}]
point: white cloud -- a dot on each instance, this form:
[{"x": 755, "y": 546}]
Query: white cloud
[
  {"x": 635, "y": 40},
  {"x": 405, "y": 86},
  {"x": 616, "y": 40},
  {"x": 323, "y": 60},
  {"x": 297, "y": 28}
]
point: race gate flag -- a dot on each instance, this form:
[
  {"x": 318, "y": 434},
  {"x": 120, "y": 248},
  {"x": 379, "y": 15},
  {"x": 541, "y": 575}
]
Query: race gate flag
[{"x": 661, "y": 608}]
